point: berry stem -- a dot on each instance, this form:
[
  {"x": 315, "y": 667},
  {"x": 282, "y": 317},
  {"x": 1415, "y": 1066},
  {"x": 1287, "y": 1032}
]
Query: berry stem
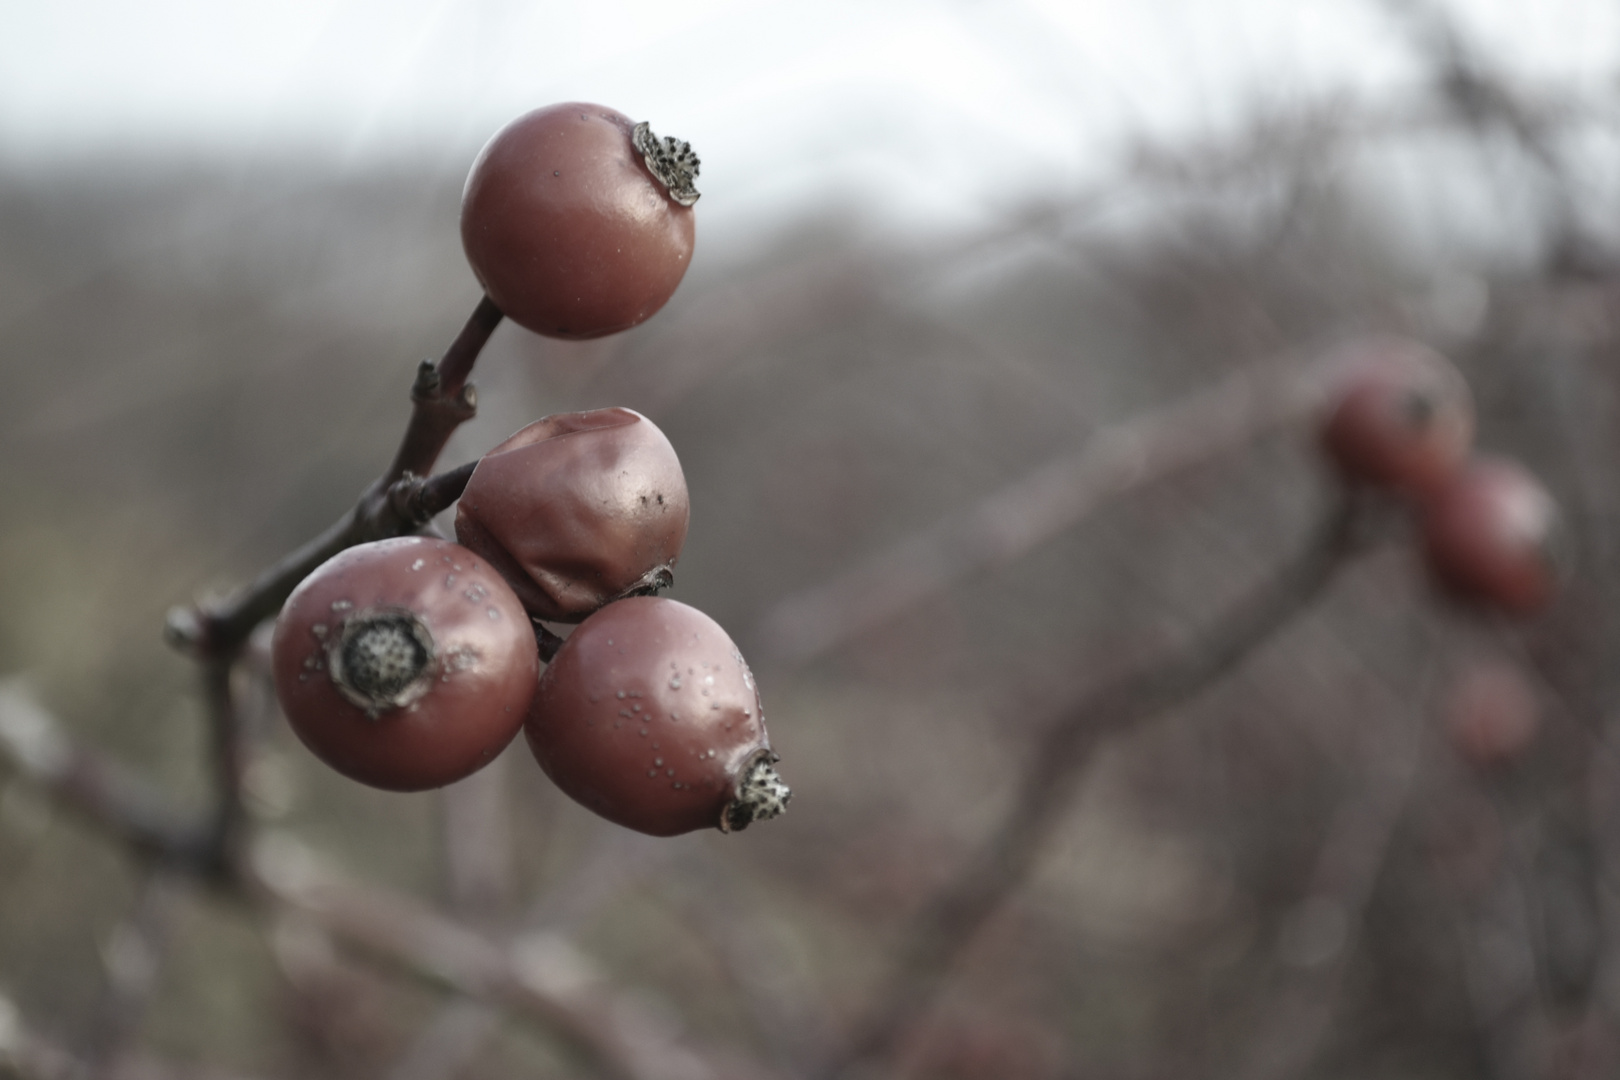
[
  {"x": 463, "y": 352},
  {"x": 229, "y": 752},
  {"x": 397, "y": 503}
]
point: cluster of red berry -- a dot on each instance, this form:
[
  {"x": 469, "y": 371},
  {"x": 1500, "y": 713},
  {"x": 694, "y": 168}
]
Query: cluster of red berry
[
  {"x": 410, "y": 663},
  {"x": 1403, "y": 421}
]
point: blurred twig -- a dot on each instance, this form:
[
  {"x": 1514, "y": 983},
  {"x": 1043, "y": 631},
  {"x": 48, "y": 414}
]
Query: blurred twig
[
  {"x": 1005, "y": 859},
  {"x": 91, "y": 785},
  {"x": 1015, "y": 519},
  {"x": 27, "y": 1054},
  {"x": 543, "y": 977},
  {"x": 476, "y": 838},
  {"x": 464, "y": 1026},
  {"x": 1319, "y": 934},
  {"x": 712, "y": 900},
  {"x": 134, "y": 959}
]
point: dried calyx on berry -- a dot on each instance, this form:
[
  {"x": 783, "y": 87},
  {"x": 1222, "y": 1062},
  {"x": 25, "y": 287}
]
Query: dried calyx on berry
[
  {"x": 760, "y": 795},
  {"x": 382, "y": 659},
  {"x": 405, "y": 664},
  {"x": 670, "y": 160},
  {"x": 649, "y": 716}
]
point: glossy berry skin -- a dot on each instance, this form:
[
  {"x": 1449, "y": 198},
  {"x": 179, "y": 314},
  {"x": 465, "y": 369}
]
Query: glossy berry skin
[
  {"x": 649, "y": 716},
  {"x": 1401, "y": 417},
  {"x": 1491, "y": 715},
  {"x": 405, "y": 664},
  {"x": 1492, "y": 535},
  {"x": 569, "y": 232},
  {"x": 578, "y": 509}
]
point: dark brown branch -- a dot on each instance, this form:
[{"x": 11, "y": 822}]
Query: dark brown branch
[
  {"x": 1005, "y": 859},
  {"x": 398, "y": 502},
  {"x": 421, "y": 500},
  {"x": 228, "y": 752}
]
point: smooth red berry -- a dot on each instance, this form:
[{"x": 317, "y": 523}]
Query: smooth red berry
[
  {"x": 578, "y": 222},
  {"x": 405, "y": 664},
  {"x": 649, "y": 716},
  {"x": 1402, "y": 417},
  {"x": 1493, "y": 535},
  {"x": 578, "y": 509},
  {"x": 1491, "y": 714}
]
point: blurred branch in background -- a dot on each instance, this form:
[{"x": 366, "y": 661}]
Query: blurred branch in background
[
  {"x": 1004, "y": 860},
  {"x": 541, "y": 976},
  {"x": 1012, "y": 521}
]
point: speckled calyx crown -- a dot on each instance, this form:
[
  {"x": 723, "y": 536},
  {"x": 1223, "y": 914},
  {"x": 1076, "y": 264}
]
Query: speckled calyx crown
[
  {"x": 670, "y": 160},
  {"x": 761, "y": 795},
  {"x": 382, "y": 659}
]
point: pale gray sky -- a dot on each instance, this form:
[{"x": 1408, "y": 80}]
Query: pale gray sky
[{"x": 941, "y": 110}]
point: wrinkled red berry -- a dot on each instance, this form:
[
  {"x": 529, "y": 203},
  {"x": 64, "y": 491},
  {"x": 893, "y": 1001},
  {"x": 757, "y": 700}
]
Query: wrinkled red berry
[
  {"x": 578, "y": 509},
  {"x": 649, "y": 716},
  {"x": 1402, "y": 417},
  {"x": 577, "y": 222},
  {"x": 1492, "y": 535},
  {"x": 405, "y": 664}
]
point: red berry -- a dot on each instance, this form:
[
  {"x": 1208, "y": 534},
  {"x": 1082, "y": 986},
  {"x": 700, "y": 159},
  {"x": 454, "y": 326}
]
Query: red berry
[
  {"x": 1491, "y": 715},
  {"x": 405, "y": 664},
  {"x": 1492, "y": 534},
  {"x": 649, "y": 716},
  {"x": 577, "y": 222},
  {"x": 578, "y": 509},
  {"x": 1402, "y": 417}
]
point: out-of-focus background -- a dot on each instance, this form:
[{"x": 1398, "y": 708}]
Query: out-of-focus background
[{"x": 940, "y": 247}]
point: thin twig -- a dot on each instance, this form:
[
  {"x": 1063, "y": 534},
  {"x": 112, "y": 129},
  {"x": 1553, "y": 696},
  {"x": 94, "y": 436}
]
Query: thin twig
[
  {"x": 1320, "y": 933},
  {"x": 229, "y": 753},
  {"x": 1005, "y": 859},
  {"x": 442, "y": 400},
  {"x": 619, "y": 859}
]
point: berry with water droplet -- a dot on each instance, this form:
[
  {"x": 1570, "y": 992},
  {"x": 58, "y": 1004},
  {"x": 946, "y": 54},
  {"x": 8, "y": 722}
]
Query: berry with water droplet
[
  {"x": 709, "y": 768},
  {"x": 394, "y": 677},
  {"x": 578, "y": 509}
]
